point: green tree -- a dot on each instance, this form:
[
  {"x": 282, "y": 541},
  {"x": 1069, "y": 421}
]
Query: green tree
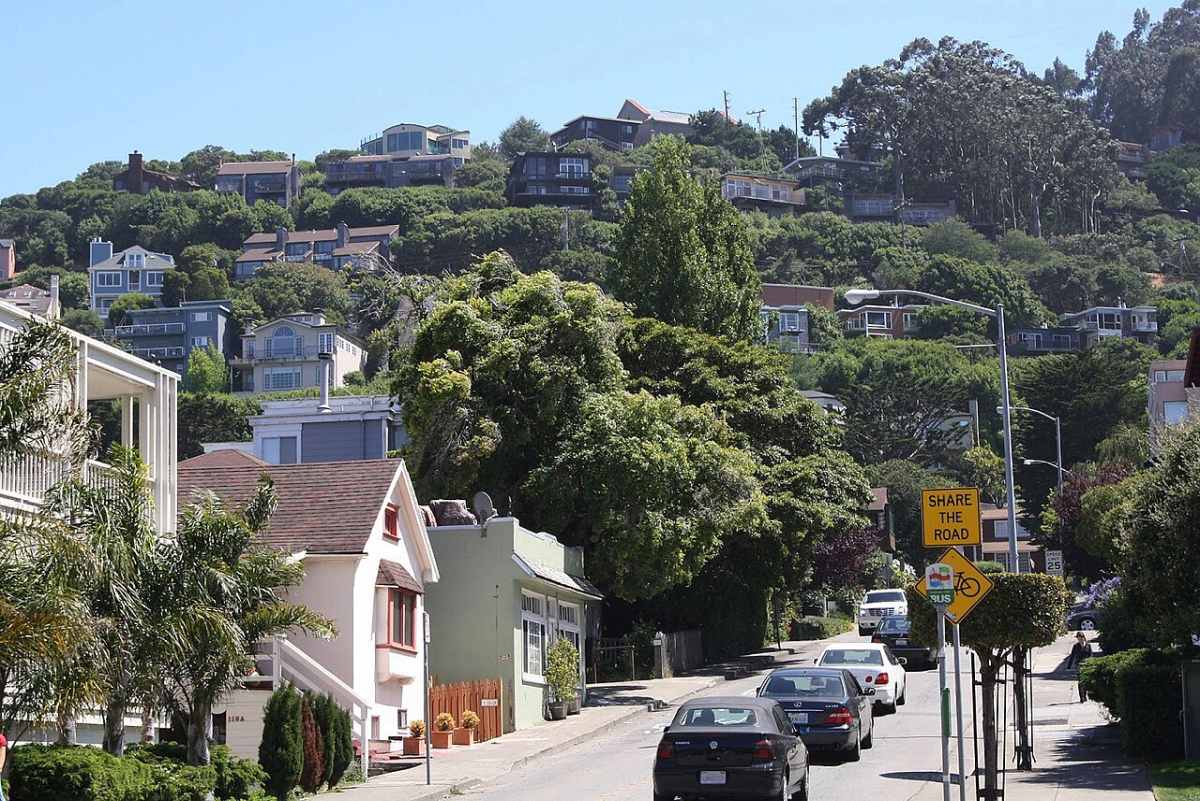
[
  {"x": 521, "y": 136},
  {"x": 213, "y": 417},
  {"x": 118, "y": 313},
  {"x": 904, "y": 481},
  {"x": 206, "y": 371},
  {"x": 176, "y": 287},
  {"x": 683, "y": 253},
  {"x": 287, "y": 287},
  {"x": 956, "y": 238},
  {"x": 281, "y": 752},
  {"x": 324, "y": 711},
  {"x": 313, "y": 774},
  {"x": 83, "y": 321},
  {"x": 37, "y": 369}
]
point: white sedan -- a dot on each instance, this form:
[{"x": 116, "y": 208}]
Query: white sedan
[{"x": 875, "y": 666}]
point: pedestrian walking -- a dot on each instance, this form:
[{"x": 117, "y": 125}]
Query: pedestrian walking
[{"x": 1081, "y": 650}]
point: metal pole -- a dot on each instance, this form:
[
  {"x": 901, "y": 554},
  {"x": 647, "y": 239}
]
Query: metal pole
[
  {"x": 944, "y": 699},
  {"x": 1014, "y": 565},
  {"x": 974, "y": 725},
  {"x": 962, "y": 758},
  {"x": 428, "y": 708},
  {"x": 1058, "y": 450}
]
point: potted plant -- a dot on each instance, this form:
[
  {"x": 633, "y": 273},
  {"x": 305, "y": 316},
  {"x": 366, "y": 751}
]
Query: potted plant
[
  {"x": 465, "y": 734},
  {"x": 415, "y": 744},
  {"x": 562, "y": 674},
  {"x": 443, "y": 729}
]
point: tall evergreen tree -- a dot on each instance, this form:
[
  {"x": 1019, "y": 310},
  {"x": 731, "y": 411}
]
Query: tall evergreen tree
[{"x": 281, "y": 752}]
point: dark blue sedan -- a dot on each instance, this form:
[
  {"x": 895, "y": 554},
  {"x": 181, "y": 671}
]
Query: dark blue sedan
[{"x": 827, "y": 707}]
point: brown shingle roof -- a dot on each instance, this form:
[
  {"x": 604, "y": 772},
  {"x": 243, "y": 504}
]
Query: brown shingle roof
[
  {"x": 323, "y": 235},
  {"x": 324, "y": 507},
  {"x": 225, "y": 457},
  {"x": 253, "y": 167},
  {"x": 355, "y": 248},
  {"x": 258, "y": 254},
  {"x": 393, "y": 574}
]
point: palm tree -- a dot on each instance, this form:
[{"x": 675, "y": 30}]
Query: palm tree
[{"x": 228, "y": 595}]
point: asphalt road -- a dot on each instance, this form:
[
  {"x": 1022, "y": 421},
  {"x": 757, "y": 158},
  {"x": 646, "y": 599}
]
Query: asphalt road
[{"x": 616, "y": 766}]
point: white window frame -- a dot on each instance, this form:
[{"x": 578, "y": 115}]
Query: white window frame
[
  {"x": 108, "y": 279},
  {"x": 325, "y": 342},
  {"x": 1172, "y": 409},
  {"x": 530, "y": 618},
  {"x": 135, "y": 261},
  {"x": 202, "y": 317},
  {"x": 154, "y": 278},
  {"x": 200, "y": 342},
  {"x": 272, "y": 372},
  {"x": 789, "y": 321}
]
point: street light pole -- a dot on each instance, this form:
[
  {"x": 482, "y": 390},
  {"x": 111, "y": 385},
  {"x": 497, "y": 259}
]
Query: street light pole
[{"x": 1014, "y": 564}]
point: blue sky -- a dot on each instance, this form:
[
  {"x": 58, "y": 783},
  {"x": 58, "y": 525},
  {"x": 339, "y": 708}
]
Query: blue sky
[{"x": 93, "y": 80}]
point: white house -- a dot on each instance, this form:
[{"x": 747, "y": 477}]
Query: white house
[{"x": 361, "y": 535}]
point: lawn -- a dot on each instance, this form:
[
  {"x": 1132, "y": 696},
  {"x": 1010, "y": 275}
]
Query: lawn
[{"x": 1176, "y": 781}]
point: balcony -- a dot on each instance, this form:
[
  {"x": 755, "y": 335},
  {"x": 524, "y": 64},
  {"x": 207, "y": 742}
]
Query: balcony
[
  {"x": 147, "y": 330},
  {"x": 1145, "y": 327},
  {"x": 158, "y": 353},
  {"x": 275, "y": 352}
]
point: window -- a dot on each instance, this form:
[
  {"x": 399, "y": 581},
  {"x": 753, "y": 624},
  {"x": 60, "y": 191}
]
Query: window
[
  {"x": 391, "y": 523},
  {"x": 879, "y": 319},
  {"x": 571, "y": 167},
  {"x": 108, "y": 279},
  {"x": 402, "y": 613},
  {"x": 1173, "y": 376},
  {"x": 577, "y": 190},
  {"x": 200, "y": 342},
  {"x": 325, "y": 342},
  {"x": 154, "y": 278},
  {"x": 375, "y": 733},
  {"x": 135, "y": 280},
  {"x": 534, "y": 630},
  {"x": 708, "y": 717},
  {"x": 283, "y": 342},
  {"x": 296, "y": 251},
  {"x": 279, "y": 450},
  {"x": 202, "y": 317},
  {"x": 135, "y": 261},
  {"x": 324, "y": 250},
  {"x": 852, "y": 656},
  {"x": 910, "y": 321},
  {"x": 789, "y": 321},
  {"x": 401, "y": 719},
  {"x": 536, "y": 167},
  {"x": 406, "y": 140},
  {"x": 781, "y": 193},
  {"x": 282, "y": 378},
  {"x": 460, "y": 144},
  {"x": 1175, "y": 412},
  {"x": 1109, "y": 321},
  {"x": 104, "y": 304}
]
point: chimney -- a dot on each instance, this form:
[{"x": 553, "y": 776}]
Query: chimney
[
  {"x": 98, "y": 251},
  {"x": 134, "y": 183},
  {"x": 326, "y": 367},
  {"x": 53, "y": 311},
  {"x": 281, "y": 239},
  {"x": 343, "y": 235}
]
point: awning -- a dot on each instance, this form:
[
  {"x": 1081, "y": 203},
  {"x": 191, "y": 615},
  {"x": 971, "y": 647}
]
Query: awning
[
  {"x": 394, "y": 574},
  {"x": 558, "y": 577}
]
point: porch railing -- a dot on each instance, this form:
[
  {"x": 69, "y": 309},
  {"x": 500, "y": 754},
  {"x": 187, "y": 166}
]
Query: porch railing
[{"x": 26, "y": 479}]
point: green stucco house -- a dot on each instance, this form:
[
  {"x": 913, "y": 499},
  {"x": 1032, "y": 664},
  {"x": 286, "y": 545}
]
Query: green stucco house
[{"x": 505, "y": 594}]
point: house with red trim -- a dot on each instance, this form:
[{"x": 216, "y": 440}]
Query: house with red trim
[{"x": 362, "y": 537}]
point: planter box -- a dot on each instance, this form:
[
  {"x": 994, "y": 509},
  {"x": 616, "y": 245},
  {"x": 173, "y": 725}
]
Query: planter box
[
  {"x": 574, "y": 706},
  {"x": 463, "y": 736},
  {"x": 558, "y": 710},
  {"x": 414, "y": 746},
  {"x": 440, "y": 739}
]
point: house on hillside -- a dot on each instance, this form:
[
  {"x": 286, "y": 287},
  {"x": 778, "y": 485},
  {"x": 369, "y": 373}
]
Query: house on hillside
[
  {"x": 340, "y": 247},
  {"x": 35, "y": 300},
  {"x": 135, "y": 269},
  {"x": 8, "y": 259},
  {"x": 139, "y": 180},
  {"x": 994, "y": 524},
  {"x": 1167, "y": 398},
  {"x": 551, "y": 179},
  {"x": 1121, "y": 321},
  {"x": 391, "y": 171},
  {"x": 634, "y": 126},
  {"x": 286, "y": 354},
  {"x": 776, "y": 197},
  {"x": 361, "y": 536},
  {"x": 653, "y": 123},
  {"x": 505, "y": 596},
  {"x": 881, "y": 320},
  {"x": 167, "y": 336},
  {"x": 409, "y": 140},
  {"x": 277, "y": 182}
]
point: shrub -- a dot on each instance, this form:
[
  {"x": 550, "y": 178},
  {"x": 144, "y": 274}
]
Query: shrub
[
  {"x": 174, "y": 781},
  {"x": 313, "y": 774},
  {"x": 344, "y": 745},
  {"x": 812, "y": 627},
  {"x": 281, "y": 753},
  {"x": 1098, "y": 677},
  {"x": 470, "y": 720},
  {"x": 53, "y": 773},
  {"x": 1120, "y": 630},
  {"x": 989, "y": 568},
  {"x": 1150, "y": 697},
  {"x": 417, "y": 728},
  {"x": 232, "y": 778},
  {"x": 444, "y": 722},
  {"x": 324, "y": 710},
  {"x": 237, "y": 778},
  {"x": 562, "y": 669}
]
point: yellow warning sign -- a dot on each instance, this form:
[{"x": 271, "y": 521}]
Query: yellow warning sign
[
  {"x": 970, "y": 585},
  {"x": 950, "y": 517}
]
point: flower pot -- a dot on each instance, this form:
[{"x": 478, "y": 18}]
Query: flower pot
[
  {"x": 464, "y": 736},
  {"x": 440, "y": 739},
  {"x": 414, "y": 746},
  {"x": 558, "y": 710},
  {"x": 574, "y": 706}
]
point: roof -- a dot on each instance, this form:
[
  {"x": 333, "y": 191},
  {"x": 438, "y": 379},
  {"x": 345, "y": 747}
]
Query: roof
[
  {"x": 259, "y": 254},
  {"x": 225, "y": 457},
  {"x": 354, "y": 248},
  {"x": 637, "y": 105},
  {"x": 394, "y": 574},
  {"x": 153, "y": 259},
  {"x": 621, "y": 120},
  {"x": 677, "y": 117},
  {"x": 325, "y": 507},
  {"x": 576, "y": 583},
  {"x": 254, "y": 167},
  {"x": 796, "y": 295},
  {"x": 320, "y": 235},
  {"x": 879, "y": 499},
  {"x": 28, "y": 297}
]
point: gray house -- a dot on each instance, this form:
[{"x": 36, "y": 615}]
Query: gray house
[
  {"x": 274, "y": 181},
  {"x": 168, "y": 336},
  {"x": 135, "y": 269}
]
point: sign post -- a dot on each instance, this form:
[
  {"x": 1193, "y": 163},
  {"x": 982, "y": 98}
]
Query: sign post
[
  {"x": 939, "y": 584},
  {"x": 428, "y": 708}
]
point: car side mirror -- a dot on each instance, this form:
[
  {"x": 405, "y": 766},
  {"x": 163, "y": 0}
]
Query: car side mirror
[
  {"x": 869, "y": 691},
  {"x": 666, "y": 729},
  {"x": 903, "y": 660}
]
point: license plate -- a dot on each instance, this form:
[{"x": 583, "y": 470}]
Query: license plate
[
  {"x": 901, "y": 641},
  {"x": 798, "y": 717},
  {"x": 712, "y": 777}
]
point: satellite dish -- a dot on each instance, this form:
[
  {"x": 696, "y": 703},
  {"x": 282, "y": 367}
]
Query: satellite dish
[{"x": 482, "y": 506}]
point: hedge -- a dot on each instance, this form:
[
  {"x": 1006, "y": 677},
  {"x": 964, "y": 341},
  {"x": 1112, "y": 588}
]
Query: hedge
[
  {"x": 53, "y": 773},
  {"x": 1141, "y": 688},
  {"x": 812, "y": 627},
  {"x": 234, "y": 778}
]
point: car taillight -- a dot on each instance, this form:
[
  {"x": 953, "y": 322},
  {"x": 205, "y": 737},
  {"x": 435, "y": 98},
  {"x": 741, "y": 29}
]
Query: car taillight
[
  {"x": 838, "y": 716},
  {"x": 876, "y": 638},
  {"x": 882, "y": 678},
  {"x": 763, "y": 751},
  {"x": 666, "y": 750}
]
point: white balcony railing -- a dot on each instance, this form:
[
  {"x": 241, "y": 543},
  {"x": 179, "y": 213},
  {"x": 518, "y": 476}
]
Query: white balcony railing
[
  {"x": 28, "y": 478},
  {"x": 148, "y": 329}
]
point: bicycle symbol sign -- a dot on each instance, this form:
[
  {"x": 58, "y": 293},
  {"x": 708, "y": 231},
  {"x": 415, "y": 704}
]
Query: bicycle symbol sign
[{"x": 970, "y": 585}]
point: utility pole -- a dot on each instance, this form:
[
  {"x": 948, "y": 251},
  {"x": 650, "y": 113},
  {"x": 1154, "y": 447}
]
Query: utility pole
[
  {"x": 726, "y": 95},
  {"x": 566, "y": 229},
  {"x": 796, "y": 123},
  {"x": 758, "y": 114}
]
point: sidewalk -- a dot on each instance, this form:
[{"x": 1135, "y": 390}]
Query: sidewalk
[
  {"x": 457, "y": 769},
  {"x": 1077, "y": 753}
]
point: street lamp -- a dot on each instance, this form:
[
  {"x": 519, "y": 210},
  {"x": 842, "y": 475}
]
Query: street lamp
[
  {"x": 857, "y": 296},
  {"x": 1059, "y": 468},
  {"x": 1057, "y": 439}
]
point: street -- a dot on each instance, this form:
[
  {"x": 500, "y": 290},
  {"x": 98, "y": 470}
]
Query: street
[{"x": 904, "y": 762}]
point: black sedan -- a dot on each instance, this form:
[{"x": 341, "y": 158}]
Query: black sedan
[
  {"x": 730, "y": 748},
  {"x": 894, "y": 632},
  {"x": 827, "y": 707},
  {"x": 1083, "y": 617}
]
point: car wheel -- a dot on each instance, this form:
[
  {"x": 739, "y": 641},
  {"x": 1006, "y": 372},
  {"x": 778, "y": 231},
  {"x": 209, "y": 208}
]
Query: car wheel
[
  {"x": 802, "y": 793},
  {"x": 855, "y": 752},
  {"x": 903, "y": 694},
  {"x": 869, "y": 740},
  {"x": 1087, "y": 624},
  {"x": 784, "y": 795}
]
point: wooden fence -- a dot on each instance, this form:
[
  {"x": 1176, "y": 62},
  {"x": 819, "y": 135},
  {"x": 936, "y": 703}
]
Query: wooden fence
[{"x": 484, "y": 698}]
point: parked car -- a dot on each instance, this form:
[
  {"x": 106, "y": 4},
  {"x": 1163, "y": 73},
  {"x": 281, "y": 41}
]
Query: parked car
[
  {"x": 893, "y": 632},
  {"x": 878, "y": 604},
  {"x": 1083, "y": 617},
  {"x": 828, "y": 708},
  {"x": 730, "y": 747},
  {"x": 874, "y": 665}
]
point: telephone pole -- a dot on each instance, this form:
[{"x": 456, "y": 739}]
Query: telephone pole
[
  {"x": 758, "y": 114},
  {"x": 726, "y": 96},
  {"x": 796, "y": 123}
]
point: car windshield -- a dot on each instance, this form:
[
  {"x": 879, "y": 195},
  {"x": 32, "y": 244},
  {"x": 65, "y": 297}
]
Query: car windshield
[
  {"x": 885, "y": 596},
  {"x": 821, "y": 686},
  {"x": 894, "y": 625},
  {"x": 852, "y": 656},
  {"x": 717, "y": 716}
]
